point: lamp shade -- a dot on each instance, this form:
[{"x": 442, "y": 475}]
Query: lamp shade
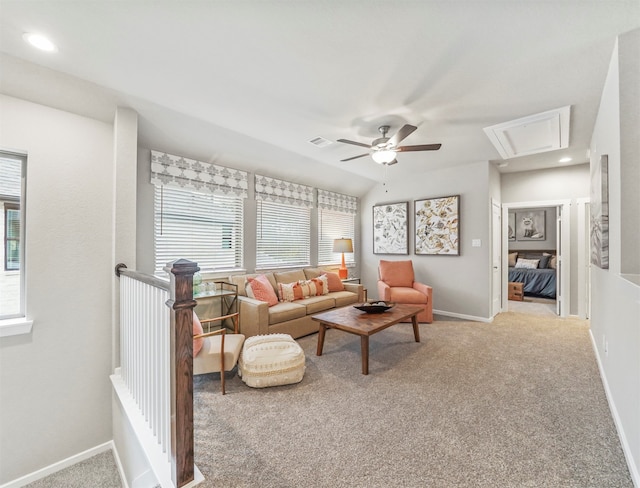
[{"x": 342, "y": 245}]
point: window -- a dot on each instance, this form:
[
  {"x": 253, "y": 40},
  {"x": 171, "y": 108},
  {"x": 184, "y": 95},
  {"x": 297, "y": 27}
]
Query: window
[
  {"x": 283, "y": 223},
  {"x": 334, "y": 225},
  {"x": 283, "y": 235},
  {"x": 336, "y": 219},
  {"x": 201, "y": 227},
  {"x": 12, "y": 172}
]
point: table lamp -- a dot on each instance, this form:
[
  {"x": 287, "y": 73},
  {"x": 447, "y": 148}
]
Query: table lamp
[{"x": 343, "y": 245}]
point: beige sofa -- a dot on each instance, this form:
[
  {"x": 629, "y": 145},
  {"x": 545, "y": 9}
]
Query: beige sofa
[{"x": 293, "y": 318}]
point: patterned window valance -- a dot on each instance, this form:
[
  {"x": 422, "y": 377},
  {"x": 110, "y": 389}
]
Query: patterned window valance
[
  {"x": 338, "y": 202},
  {"x": 273, "y": 190},
  {"x": 176, "y": 171}
]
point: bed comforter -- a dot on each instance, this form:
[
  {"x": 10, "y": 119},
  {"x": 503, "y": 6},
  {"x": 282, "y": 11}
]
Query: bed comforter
[{"x": 536, "y": 282}]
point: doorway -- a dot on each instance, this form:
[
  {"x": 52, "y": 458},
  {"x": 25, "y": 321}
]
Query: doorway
[{"x": 561, "y": 223}]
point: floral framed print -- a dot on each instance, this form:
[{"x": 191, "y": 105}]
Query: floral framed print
[
  {"x": 390, "y": 228},
  {"x": 437, "y": 226}
]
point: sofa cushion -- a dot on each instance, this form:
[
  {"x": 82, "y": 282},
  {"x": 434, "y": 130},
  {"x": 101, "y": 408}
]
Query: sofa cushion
[
  {"x": 284, "y": 311},
  {"x": 343, "y": 298},
  {"x": 289, "y": 276},
  {"x": 313, "y": 272},
  {"x": 260, "y": 289},
  {"x": 318, "y": 304}
]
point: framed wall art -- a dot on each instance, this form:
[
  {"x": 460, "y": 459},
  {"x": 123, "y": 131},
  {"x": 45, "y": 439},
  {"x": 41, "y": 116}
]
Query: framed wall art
[
  {"x": 512, "y": 226},
  {"x": 437, "y": 225},
  {"x": 531, "y": 225},
  {"x": 390, "y": 228},
  {"x": 600, "y": 213}
]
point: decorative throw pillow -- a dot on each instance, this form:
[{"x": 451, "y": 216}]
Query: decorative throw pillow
[
  {"x": 512, "y": 258},
  {"x": 527, "y": 263},
  {"x": 299, "y": 290},
  {"x": 197, "y": 329},
  {"x": 322, "y": 284},
  {"x": 544, "y": 261},
  {"x": 335, "y": 283},
  {"x": 552, "y": 260},
  {"x": 260, "y": 289}
]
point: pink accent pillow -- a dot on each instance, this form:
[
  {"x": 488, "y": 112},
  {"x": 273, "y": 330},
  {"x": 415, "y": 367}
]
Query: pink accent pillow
[
  {"x": 260, "y": 289},
  {"x": 197, "y": 329},
  {"x": 335, "y": 283}
]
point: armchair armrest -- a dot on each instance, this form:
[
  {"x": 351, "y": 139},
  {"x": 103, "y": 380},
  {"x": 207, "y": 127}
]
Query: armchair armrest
[
  {"x": 384, "y": 291},
  {"x": 425, "y": 289}
]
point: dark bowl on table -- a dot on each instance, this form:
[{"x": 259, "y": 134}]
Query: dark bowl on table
[{"x": 375, "y": 307}]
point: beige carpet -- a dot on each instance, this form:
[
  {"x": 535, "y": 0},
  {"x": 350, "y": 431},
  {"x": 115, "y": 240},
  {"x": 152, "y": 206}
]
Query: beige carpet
[{"x": 515, "y": 403}]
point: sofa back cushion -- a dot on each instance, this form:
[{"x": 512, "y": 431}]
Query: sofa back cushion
[
  {"x": 241, "y": 280},
  {"x": 397, "y": 273},
  {"x": 290, "y": 276}
]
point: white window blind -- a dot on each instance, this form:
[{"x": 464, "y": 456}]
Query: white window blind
[
  {"x": 204, "y": 228},
  {"x": 336, "y": 219},
  {"x": 283, "y": 224},
  {"x": 283, "y": 235},
  {"x": 334, "y": 225}
]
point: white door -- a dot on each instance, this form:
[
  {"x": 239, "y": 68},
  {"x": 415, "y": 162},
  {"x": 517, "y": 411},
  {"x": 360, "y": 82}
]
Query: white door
[{"x": 496, "y": 259}]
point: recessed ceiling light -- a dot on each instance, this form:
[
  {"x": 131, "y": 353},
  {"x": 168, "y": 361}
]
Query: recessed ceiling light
[
  {"x": 39, "y": 41},
  {"x": 564, "y": 160}
]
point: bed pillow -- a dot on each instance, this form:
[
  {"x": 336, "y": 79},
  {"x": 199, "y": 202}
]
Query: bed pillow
[
  {"x": 527, "y": 263},
  {"x": 552, "y": 260},
  {"x": 260, "y": 289},
  {"x": 512, "y": 258},
  {"x": 544, "y": 261}
]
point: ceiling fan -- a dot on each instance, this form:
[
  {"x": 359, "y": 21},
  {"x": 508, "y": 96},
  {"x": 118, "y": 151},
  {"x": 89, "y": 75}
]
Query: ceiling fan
[{"x": 384, "y": 149}]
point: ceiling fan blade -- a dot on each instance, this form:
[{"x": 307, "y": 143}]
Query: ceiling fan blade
[
  {"x": 395, "y": 161},
  {"x": 419, "y": 147},
  {"x": 346, "y": 141},
  {"x": 404, "y": 131},
  {"x": 355, "y": 157}
]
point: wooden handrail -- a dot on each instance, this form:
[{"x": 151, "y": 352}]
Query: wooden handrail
[{"x": 121, "y": 269}]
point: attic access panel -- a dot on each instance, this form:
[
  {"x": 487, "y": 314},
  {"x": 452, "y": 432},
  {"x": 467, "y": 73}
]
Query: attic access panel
[{"x": 533, "y": 134}]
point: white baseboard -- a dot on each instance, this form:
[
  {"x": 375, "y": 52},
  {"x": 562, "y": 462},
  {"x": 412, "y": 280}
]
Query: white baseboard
[
  {"x": 54, "y": 468},
  {"x": 472, "y": 318},
  {"x": 633, "y": 469}
]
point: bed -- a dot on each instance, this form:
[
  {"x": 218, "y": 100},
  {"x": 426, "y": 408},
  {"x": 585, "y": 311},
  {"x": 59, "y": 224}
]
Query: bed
[{"x": 539, "y": 281}]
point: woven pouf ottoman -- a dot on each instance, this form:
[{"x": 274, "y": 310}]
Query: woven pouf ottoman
[{"x": 271, "y": 360}]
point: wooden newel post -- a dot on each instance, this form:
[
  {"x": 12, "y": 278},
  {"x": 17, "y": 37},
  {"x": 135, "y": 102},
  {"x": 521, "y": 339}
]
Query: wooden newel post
[{"x": 181, "y": 305}]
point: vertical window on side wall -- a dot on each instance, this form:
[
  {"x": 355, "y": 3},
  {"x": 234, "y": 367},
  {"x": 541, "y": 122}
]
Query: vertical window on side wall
[
  {"x": 12, "y": 196},
  {"x": 334, "y": 225}
]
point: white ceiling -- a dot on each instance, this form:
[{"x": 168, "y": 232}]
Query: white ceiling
[{"x": 250, "y": 82}]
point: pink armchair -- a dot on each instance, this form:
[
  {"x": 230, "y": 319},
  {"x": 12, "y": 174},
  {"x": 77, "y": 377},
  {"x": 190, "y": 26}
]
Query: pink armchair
[{"x": 396, "y": 284}]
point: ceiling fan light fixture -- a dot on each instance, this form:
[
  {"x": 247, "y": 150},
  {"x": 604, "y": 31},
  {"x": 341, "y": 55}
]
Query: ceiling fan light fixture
[{"x": 384, "y": 156}]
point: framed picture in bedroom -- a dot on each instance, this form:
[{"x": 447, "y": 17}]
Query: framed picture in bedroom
[
  {"x": 437, "y": 225},
  {"x": 390, "y": 228},
  {"x": 531, "y": 225},
  {"x": 512, "y": 226}
]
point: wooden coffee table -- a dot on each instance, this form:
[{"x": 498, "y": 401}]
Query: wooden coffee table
[{"x": 354, "y": 321}]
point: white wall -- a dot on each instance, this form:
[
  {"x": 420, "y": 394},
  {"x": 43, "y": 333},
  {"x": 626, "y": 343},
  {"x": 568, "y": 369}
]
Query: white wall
[
  {"x": 55, "y": 393},
  {"x": 562, "y": 183},
  {"x": 461, "y": 284},
  {"x": 615, "y": 301}
]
